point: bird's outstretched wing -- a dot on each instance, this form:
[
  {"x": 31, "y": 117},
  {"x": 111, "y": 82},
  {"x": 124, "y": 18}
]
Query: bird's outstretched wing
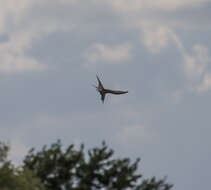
[
  {"x": 99, "y": 82},
  {"x": 115, "y": 91}
]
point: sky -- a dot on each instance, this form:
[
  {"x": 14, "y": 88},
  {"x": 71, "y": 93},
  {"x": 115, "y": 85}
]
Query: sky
[{"x": 160, "y": 51}]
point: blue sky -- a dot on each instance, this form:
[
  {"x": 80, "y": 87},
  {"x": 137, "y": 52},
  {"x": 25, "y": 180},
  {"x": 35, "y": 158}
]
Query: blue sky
[{"x": 51, "y": 50}]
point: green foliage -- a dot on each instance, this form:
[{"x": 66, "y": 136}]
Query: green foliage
[
  {"x": 3, "y": 151},
  {"x": 72, "y": 169},
  {"x": 153, "y": 184},
  {"x": 26, "y": 180},
  {"x": 54, "y": 167},
  {"x": 12, "y": 178}
]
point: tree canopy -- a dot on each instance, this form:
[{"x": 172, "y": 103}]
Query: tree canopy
[
  {"x": 16, "y": 178},
  {"x": 72, "y": 169},
  {"x": 56, "y": 168}
]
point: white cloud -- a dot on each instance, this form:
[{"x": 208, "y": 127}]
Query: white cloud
[
  {"x": 12, "y": 54},
  {"x": 13, "y": 64},
  {"x": 14, "y": 10},
  {"x": 165, "y": 5},
  {"x": 155, "y": 40},
  {"x": 205, "y": 86},
  {"x": 22, "y": 33},
  {"x": 157, "y": 37},
  {"x": 113, "y": 54},
  {"x": 195, "y": 65},
  {"x": 18, "y": 150}
]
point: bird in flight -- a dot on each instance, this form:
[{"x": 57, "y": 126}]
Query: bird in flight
[{"x": 104, "y": 91}]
